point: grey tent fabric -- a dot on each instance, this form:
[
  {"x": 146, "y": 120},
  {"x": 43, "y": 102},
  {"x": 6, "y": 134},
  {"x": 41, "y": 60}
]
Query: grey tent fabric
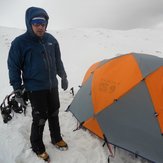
[
  {"x": 148, "y": 63},
  {"x": 131, "y": 123},
  {"x": 82, "y": 108}
]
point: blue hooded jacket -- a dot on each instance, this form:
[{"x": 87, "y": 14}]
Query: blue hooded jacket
[{"x": 33, "y": 61}]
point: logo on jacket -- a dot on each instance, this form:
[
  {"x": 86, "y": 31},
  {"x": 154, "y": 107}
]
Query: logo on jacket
[{"x": 50, "y": 43}]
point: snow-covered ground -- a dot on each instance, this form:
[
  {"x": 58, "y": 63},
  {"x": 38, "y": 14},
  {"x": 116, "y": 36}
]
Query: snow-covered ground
[{"x": 80, "y": 49}]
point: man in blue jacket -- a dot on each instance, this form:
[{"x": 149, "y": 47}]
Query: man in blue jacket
[{"x": 34, "y": 61}]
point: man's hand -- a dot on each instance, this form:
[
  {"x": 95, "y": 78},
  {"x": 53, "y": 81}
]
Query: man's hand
[
  {"x": 19, "y": 97},
  {"x": 64, "y": 83}
]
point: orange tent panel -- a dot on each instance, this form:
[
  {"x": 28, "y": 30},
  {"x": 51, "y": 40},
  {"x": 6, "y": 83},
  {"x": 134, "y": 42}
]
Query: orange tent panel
[
  {"x": 113, "y": 79},
  {"x": 93, "y": 126},
  {"x": 155, "y": 86}
]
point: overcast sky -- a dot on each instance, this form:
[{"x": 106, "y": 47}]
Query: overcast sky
[{"x": 112, "y": 14}]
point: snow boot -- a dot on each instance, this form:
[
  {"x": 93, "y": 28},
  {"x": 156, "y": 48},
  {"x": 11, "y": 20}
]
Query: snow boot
[
  {"x": 61, "y": 145},
  {"x": 44, "y": 156}
]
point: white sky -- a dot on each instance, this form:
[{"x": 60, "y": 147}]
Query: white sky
[{"x": 112, "y": 14}]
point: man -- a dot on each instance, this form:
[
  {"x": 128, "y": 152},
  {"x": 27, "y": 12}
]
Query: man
[{"x": 34, "y": 61}]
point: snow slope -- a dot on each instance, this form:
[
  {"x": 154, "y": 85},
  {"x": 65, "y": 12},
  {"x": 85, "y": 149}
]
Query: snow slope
[{"x": 80, "y": 49}]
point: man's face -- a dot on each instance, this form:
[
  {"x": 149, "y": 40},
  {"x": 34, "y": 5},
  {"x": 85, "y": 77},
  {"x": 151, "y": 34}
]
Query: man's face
[{"x": 39, "y": 29}]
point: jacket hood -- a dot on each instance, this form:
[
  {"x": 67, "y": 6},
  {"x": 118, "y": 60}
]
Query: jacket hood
[{"x": 34, "y": 12}]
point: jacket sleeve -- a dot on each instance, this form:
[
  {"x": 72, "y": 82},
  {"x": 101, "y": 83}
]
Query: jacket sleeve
[
  {"x": 14, "y": 65},
  {"x": 59, "y": 64}
]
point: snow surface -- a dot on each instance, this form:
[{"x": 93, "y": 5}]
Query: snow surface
[{"x": 80, "y": 49}]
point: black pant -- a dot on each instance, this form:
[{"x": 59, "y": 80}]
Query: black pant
[{"x": 45, "y": 105}]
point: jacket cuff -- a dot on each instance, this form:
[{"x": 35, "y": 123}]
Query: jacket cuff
[{"x": 17, "y": 88}]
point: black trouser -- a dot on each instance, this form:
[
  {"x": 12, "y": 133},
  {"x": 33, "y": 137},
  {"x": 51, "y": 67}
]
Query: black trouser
[{"x": 45, "y": 105}]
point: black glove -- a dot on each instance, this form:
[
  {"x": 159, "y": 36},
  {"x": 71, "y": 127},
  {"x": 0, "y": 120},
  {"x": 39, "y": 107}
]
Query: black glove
[
  {"x": 19, "y": 97},
  {"x": 64, "y": 83}
]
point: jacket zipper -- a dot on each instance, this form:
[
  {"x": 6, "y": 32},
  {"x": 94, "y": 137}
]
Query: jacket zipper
[{"x": 48, "y": 63}]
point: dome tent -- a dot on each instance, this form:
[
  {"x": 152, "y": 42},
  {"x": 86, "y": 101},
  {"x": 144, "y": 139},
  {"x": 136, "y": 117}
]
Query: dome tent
[{"x": 122, "y": 99}]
